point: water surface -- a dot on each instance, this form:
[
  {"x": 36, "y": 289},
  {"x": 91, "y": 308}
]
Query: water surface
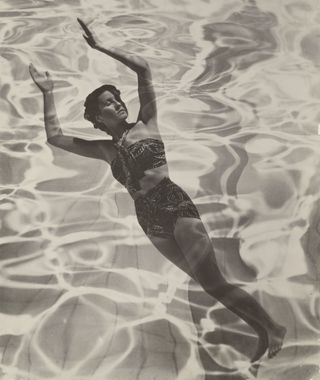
[{"x": 83, "y": 293}]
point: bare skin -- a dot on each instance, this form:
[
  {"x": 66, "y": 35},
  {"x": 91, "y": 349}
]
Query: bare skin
[
  {"x": 190, "y": 238},
  {"x": 190, "y": 247}
]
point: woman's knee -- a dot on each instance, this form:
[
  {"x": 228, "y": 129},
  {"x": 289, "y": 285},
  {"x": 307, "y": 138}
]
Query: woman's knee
[{"x": 209, "y": 276}]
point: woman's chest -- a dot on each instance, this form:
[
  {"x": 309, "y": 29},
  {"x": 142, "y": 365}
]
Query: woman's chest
[
  {"x": 129, "y": 142},
  {"x": 139, "y": 131}
]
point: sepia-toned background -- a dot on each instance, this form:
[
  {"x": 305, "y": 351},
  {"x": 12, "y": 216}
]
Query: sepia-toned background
[{"x": 83, "y": 294}]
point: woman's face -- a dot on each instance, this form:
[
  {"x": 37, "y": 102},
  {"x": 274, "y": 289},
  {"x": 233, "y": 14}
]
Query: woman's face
[{"x": 112, "y": 111}]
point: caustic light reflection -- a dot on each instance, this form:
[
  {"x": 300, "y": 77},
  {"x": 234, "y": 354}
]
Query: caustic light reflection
[{"x": 83, "y": 292}]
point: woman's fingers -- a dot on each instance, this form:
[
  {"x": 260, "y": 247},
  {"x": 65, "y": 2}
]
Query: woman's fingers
[
  {"x": 31, "y": 68},
  {"x": 33, "y": 71},
  {"x": 36, "y": 75},
  {"x": 91, "y": 42},
  {"x": 88, "y": 39},
  {"x": 41, "y": 78},
  {"x": 89, "y": 36},
  {"x": 85, "y": 28}
]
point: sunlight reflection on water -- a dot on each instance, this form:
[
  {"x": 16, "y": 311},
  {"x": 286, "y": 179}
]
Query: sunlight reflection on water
[{"x": 82, "y": 291}]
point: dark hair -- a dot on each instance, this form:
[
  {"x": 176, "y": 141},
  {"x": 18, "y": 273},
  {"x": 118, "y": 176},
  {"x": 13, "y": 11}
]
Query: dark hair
[{"x": 91, "y": 104}]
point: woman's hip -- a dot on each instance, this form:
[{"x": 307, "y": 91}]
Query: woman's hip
[{"x": 158, "y": 210}]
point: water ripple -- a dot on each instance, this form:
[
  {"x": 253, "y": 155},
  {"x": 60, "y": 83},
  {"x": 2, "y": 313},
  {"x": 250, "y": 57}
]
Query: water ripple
[{"x": 83, "y": 292}]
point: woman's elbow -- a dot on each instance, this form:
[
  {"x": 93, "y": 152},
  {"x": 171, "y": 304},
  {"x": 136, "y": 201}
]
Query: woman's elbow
[
  {"x": 142, "y": 65},
  {"x": 145, "y": 65},
  {"x": 53, "y": 140},
  {"x": 144, "y": 74}
]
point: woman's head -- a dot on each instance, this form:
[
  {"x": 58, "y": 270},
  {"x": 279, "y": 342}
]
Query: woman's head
[{"x": 105, "y": 108}]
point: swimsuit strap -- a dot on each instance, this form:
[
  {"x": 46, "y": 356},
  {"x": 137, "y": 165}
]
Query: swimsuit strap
[{"x": 119, "y": 143}]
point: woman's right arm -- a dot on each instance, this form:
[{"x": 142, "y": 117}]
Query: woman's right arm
[
  {"x": 147, "y": 97},
  {"x": 55, "y": 136}
]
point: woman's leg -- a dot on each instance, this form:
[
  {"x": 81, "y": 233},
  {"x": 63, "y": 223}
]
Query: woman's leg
[
  {"x": 170, "y": 249},
  {"x": 195, "y": 244}
]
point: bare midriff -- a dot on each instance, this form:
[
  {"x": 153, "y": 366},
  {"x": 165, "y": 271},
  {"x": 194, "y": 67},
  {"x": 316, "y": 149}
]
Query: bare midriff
[{"x": 151, "y": 178}]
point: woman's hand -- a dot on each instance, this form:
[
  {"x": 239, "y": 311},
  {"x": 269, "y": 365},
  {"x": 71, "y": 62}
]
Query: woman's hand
[
  {"x": 41, "y": 79},
  {"x": 89, "y": 36},
  {"x": 148, "y": 109}
]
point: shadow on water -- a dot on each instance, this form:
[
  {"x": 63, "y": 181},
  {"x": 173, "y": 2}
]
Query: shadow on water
[{"x": 81, "y": 289}]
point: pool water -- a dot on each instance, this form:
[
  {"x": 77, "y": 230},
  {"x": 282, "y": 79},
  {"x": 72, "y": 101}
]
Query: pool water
[{"x": 83, "y": 293}]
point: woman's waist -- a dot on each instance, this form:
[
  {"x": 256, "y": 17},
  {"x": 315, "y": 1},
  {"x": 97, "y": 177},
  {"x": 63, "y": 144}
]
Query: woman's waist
[{"x": 151, "y": 179}]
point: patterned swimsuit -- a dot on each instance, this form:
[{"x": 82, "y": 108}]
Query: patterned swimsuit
[{"x": 158, "y": 209}]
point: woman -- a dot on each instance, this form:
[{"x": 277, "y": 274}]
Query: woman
[{"x": 164, "y": 211}]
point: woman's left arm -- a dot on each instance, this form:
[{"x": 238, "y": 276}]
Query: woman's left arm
[{"x": 148, "y": 108}]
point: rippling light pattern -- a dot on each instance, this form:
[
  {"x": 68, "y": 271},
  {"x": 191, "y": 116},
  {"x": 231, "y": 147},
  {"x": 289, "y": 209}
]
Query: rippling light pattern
[{"x": 83, "y": 293}]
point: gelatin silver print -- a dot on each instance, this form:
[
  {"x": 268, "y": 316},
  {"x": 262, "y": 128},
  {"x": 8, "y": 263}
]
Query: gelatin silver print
[{"x": 159, "y": 191}]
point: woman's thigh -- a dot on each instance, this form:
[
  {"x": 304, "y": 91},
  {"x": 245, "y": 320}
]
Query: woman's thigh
[
  {"x": 193, "y": 240},
  {"x": 195, "y": 244},
  {"x": 169, "y": 248}
]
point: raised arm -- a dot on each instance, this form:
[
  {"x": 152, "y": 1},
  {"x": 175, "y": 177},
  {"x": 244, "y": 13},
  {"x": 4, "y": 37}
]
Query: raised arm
[
  {"x": 148, "y": 109},
  {"x": 55, "y": 136}
]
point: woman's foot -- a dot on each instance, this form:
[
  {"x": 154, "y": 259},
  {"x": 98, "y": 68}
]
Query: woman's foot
[
  {"x": 275, "y": 338},
  {"x": 270, "y": 340},
  {"x": 263, "y": 344},
  {"x": 254, "y": 368}
]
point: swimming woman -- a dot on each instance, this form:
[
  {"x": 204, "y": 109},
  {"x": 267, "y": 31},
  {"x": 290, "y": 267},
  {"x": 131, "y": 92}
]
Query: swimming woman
[{"x": 165, "y": 212}]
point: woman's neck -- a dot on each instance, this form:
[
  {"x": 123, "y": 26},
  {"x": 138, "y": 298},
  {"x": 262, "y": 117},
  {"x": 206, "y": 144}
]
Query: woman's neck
[{"x": 120, "y": 130}]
